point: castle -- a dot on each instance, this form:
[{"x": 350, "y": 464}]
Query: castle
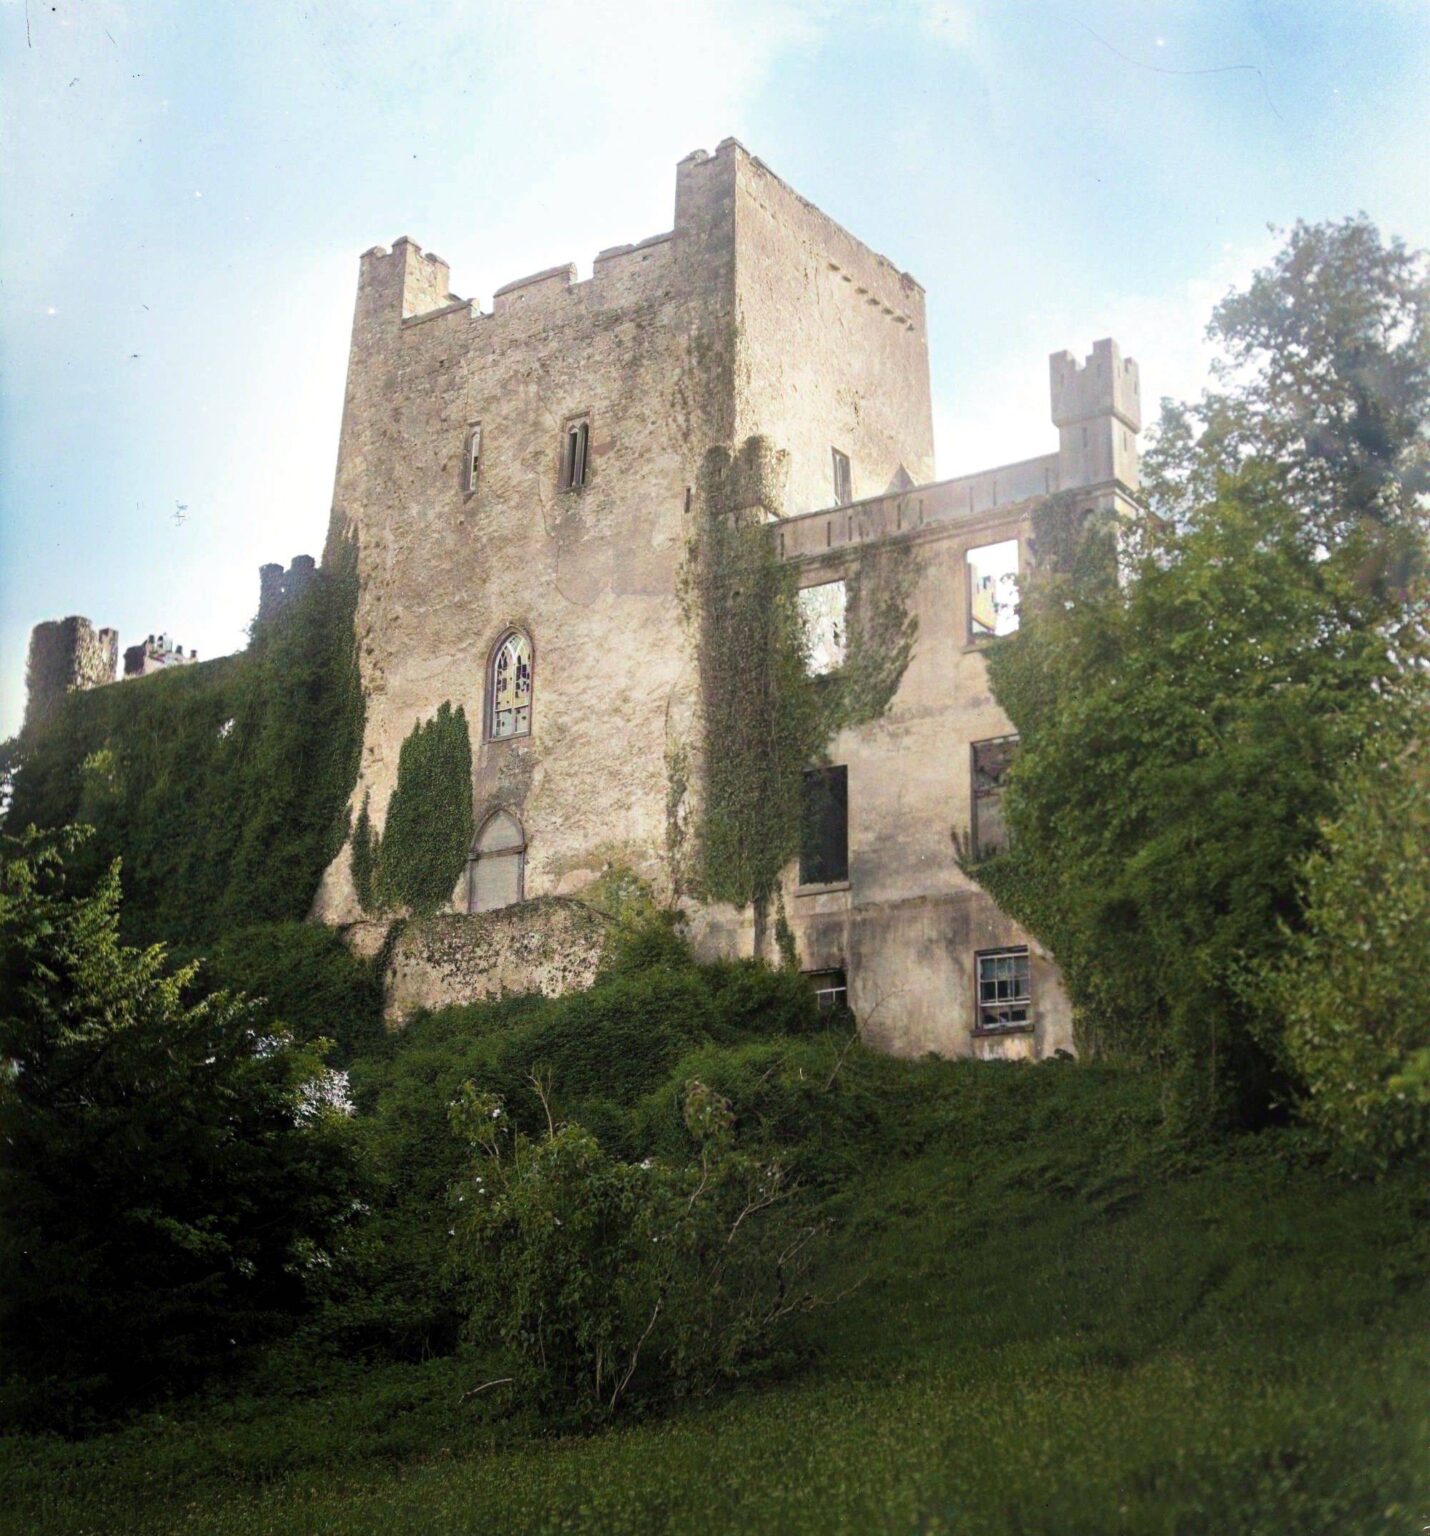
[{"x": 522, "y": 487}]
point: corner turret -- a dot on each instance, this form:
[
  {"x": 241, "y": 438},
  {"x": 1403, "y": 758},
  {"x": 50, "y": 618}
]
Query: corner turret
[{"x": 1097, "y": 409}]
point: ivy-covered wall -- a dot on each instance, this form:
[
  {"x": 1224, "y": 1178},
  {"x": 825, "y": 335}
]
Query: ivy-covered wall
[{"x": 222, "y": 787}]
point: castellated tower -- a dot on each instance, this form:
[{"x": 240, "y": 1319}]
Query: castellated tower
[
  {"x": 1097, "y": 409},
  {"x": 66, "y": 655},
  {"x": 538, "y": 471}
]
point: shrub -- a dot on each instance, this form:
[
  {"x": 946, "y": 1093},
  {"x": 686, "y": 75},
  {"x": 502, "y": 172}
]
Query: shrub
[
  {"x": 604, "y": 1282},
  {"x": 1352, "y": 989}
]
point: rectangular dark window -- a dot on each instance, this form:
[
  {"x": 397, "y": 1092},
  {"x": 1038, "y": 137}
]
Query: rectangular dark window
[
  {"x": 843, "y": 483},
  {"x": 830, "y": 990},
  {"x": 991, "y": 760},
  {"x": 824, "y": 845},
  {"x": 1005, "y": 997},
  {"x": 574, "y": 455}
]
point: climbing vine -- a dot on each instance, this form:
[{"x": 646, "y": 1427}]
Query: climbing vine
[
  {"x": 222, "y": 787},
  {"x": 765, "y": 719},
  {"x": 428, "y": 833}
]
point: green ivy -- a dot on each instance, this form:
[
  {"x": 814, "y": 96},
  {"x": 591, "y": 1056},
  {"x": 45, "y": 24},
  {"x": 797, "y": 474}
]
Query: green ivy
[
  {"x": 428, "y": 833},
  {"x": 222, "y": 787}
]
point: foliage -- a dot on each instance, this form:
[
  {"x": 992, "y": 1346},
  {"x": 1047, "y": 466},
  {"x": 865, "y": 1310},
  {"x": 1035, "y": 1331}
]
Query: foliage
[
  {"x": 174, "y": 1174},
  {"x": 223, "y": 786},
  {"x": 304, "y": 978},
  {"x": 761, "y": 714},
  {"x": 1351, "y": 988},
  {"x": 427, "y": 836},
  {"x": 606, "y": 1282},
  {"x": 1181, "y": 732},
  {"x": 1054, "y": 1324},
  {"x": 764, "y": 718}
]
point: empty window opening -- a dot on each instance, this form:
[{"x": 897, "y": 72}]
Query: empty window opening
[
  {"x": 822, "y": 612},
  {"x": 831, "y": 993},
  {"x": 991, "y": 761},
  {"x": 474, "y": 456},
  {"x": 993, "y": 589},
  {"x": 824, "y": 840},
  {"x": 497, "y": 869},
  {"x": 574, "y": 454},
  {"x": 509, "y": 688},
  {"x": 1005, "y": 998},
  {"x": 843, "y": 482}
]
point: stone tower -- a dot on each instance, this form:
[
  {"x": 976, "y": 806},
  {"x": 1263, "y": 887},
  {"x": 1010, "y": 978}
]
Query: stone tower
[
  {"x": 731, "y": 356},
  {"x": 67, "y": 655}
]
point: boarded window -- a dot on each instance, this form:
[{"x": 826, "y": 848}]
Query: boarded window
[
  {"x": 1005, "y": 998},
  {"x": 509, "y": 688},
  {"x": 474, "y": 457},
  {"x": 574, "y": 454},
  {"x": 498, "y": 864},
  {"x": 824, "y": 844},
  {"x": 843, "y": 482},
  {"x": 821, "y": 610},
  {"x": 993, "y": 589},
  {"x": 991, "y": 760}
]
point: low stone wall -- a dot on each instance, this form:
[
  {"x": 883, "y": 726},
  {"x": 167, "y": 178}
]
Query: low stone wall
[{"x": 550, "y": 945}]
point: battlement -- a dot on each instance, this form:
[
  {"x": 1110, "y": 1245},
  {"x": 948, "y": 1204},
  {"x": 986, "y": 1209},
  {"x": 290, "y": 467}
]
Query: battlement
[
  {"x": 156, "y": 653},
  {"x": 1104, "y": 384}
]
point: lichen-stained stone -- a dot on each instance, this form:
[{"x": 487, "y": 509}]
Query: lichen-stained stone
[{"x": 551, "y": 945}]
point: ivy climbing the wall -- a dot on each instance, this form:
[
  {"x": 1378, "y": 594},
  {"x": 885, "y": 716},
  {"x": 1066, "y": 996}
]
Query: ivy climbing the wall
[
  {"x": 222, "y": 787},
  {"x": 424, "y": 845},
  {"x": 765, "y": 719}
]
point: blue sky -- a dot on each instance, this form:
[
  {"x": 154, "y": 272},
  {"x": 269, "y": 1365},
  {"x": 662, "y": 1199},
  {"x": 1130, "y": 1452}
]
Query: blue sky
[{"x": 187, "y": 185}]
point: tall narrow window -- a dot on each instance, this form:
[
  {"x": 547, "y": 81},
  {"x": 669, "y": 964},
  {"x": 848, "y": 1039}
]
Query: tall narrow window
[
  {"x": 474, "y": 457},
  {"x": 824, "y": 842},
  {"x": 497, "y": 868},
  {"x": 822, "y": 612},
  {"x": 509, "y": 688},
  {"x": 993, "y": 589},
  {"x": 574, "y": 453},
  {"x": 1005, "y": 995},
  {"x": 991, "y": 760},
  {"x": 843, "y": 483}
]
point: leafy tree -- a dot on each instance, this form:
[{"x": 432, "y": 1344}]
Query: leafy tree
[
  {"x": 1182, "y": 731},
  {"x": 173, "y": 1175},
  {"x": 1352, "y": 986}
]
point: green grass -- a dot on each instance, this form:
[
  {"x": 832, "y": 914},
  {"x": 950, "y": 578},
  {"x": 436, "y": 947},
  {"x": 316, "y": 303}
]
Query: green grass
[{"x": 1057, "y": 1325}]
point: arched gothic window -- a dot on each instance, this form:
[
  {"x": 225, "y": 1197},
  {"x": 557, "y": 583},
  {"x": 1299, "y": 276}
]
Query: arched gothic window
[
  {"x": 509, "y": 688},
  {"x": 497, "y": 868}
]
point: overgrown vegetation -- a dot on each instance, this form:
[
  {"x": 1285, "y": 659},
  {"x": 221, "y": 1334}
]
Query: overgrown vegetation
[
  {"x": 174, "y": 1173},
  {"x": 1183, "y": 733},
  {"x": 222, "y": 787},
  {"x": 765, "y": 719},
  {"x": 427, "y": 836}
]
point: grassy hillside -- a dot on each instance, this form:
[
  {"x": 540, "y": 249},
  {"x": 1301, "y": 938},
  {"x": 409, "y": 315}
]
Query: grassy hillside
[{"x": 1053, "y": 1323}]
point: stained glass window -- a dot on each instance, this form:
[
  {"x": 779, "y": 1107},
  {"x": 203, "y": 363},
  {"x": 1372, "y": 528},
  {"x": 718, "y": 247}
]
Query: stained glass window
[{"x": 510, "y": 690}]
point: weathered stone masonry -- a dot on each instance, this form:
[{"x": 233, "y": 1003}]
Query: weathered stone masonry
[{"x": 756, "y": 335}]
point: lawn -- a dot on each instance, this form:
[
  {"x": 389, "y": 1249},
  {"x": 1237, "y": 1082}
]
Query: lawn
[{"x": 1054, "y": 1324}]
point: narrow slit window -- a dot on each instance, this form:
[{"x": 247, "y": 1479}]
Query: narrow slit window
[
  {"x": 843, "y": 482},
  {"x": 574, "y": 455},
  {"x": 474, "y": 457},
  {"x": 993, "y": 589},
  {"x": 1005, "y": 997}
]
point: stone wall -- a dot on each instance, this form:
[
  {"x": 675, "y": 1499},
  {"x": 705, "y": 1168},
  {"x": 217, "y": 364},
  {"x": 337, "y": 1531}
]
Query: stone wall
[
  {"x": 549, "y": 946},
  {"x": 67, "y": 654}
]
